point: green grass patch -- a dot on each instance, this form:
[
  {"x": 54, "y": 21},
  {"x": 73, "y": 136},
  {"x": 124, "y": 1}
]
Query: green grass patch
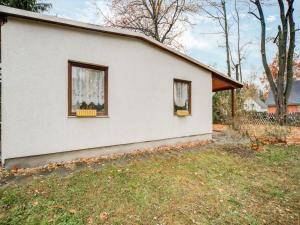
[{"x": 215, "y": 186}]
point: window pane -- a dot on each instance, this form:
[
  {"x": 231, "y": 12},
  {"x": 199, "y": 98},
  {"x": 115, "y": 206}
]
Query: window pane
[
  {"x": 87, "y": 89},
  {"x": 181, "y": 96}
]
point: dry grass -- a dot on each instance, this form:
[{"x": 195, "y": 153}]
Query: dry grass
[
  {"x": 263, "y": 134},
  {"x": 215, "y": 186},
  {"x": 294, "y": 137}
]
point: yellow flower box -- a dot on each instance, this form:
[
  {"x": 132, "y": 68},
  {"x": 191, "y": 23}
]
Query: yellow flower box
[
  {"x": 86, "y": 113},
  {"x": 182, "y": 113}
]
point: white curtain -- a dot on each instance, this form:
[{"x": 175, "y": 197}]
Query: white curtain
[
  {"x": 87, "y": 86},
  {"x": 181, "y": 94}
]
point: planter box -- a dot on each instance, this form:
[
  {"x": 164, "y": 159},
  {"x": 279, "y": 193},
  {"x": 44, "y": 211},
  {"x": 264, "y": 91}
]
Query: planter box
[
  {"x": 86, "y": 113},
  {"x": 182, "y": 113}
]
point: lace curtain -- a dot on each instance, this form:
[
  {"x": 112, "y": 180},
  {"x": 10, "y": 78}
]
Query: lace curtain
[
  {"x": 181, "y": 95},
  {"x": 87, "y": 89}
]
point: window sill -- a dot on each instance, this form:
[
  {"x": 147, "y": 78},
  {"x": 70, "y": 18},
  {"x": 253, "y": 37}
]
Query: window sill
[
  {"x": 182, "y": 116},
  {"x": 88, "y": 117}
]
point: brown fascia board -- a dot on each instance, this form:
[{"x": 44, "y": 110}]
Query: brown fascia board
[{"x": 8, "y": 11}]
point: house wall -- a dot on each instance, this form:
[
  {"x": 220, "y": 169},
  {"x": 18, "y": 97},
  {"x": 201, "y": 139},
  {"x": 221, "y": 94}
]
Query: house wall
[
  {"x": 251, "y": 105},
  {"x": 291, "y": 108},
  {"x": 140, "y": 91}
]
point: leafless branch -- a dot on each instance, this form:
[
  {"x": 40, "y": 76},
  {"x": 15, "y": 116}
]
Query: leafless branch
[{"x": 163, "y": 20}]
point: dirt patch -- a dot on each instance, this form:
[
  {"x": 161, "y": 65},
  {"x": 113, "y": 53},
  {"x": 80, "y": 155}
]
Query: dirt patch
[
  {"x": 229, "y": 136},
  {"x": 243, "y": 151}
]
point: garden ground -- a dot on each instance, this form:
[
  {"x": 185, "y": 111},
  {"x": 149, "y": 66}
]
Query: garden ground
[{"x": 213, "y": 184}]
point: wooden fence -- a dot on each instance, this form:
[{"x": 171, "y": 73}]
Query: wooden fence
[{"x": 292, "y": 119}]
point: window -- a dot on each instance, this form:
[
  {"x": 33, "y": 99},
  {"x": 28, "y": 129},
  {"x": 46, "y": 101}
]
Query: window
[
  {"x": 182, "y": 96},
  {"x": 88, "y": 86}
]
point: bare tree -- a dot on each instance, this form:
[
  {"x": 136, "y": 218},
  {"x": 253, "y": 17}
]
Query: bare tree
[
  {"x": 239, "y": 56},
  {"x": 163, "y": 20},
  {"x": 226, "y": 31},
  {"x": 285, "y": 41},
  {"x": 216, "y": 9}
]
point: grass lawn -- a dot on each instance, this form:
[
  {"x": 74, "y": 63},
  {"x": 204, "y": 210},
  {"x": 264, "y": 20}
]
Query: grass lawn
[{"x": 220, "y": 185}]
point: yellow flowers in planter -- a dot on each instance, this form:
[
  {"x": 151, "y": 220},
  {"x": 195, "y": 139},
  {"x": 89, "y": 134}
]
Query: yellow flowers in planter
[
  {"x": 182, "y": 113},
  {"x": 86, "y": 113}
]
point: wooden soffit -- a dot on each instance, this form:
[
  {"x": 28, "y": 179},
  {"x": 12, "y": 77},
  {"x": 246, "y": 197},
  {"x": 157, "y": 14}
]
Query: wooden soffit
[{"x": 221, "y": 83}]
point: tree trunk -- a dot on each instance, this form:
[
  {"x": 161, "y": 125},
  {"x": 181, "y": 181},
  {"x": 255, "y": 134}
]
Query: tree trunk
[
  {"x": 282, "y": 85},
  {"x": 238, "y": 41},
  {"x": 281, "y": 108},
  {"x": 223, "y": 2}
]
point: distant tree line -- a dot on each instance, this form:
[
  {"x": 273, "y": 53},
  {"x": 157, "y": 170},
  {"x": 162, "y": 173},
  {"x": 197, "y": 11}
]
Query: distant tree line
[{"x": 30, "y": 5}]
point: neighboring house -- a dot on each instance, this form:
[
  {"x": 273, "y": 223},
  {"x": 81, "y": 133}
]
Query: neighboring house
[
  {"x": 255, "y": 104},
  {"x": 72, "y": 90},
  {"x": 294, "y": 99}
]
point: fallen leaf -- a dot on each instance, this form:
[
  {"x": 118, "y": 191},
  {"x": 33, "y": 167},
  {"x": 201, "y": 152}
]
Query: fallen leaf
[
  {"x": 90, "y": 220},
  {"x": 104, "y": 216},
  {"x": 72, "y": 211},
  {"x": 35, "y": 203}
]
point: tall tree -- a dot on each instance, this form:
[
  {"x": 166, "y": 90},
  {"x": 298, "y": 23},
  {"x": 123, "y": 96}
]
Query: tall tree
[
  {"x": 285, "y": 40},
  {"x": 30, "y": 5},
  {"x": 239, "y": 48},
  {"x": 217, "y": 10},
  {"x": 226, "y": 31},
  {"x": 163, "y": 20}
]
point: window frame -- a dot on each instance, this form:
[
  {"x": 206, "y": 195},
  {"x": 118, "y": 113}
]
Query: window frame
[
  {"x": 189, "y": 93},
  {"x": 72, "y": 63}
]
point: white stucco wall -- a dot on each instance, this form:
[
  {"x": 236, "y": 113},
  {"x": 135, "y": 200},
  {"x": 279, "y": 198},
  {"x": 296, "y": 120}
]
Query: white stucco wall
[
  {"x": 251, "y": 105},
  {"x": 34, "y": 112}
]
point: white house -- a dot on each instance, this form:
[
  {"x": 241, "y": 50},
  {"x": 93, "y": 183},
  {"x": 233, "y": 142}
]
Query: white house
[
  {"x": 255, "y": 104},
  {"x": 72, "y": 90}
]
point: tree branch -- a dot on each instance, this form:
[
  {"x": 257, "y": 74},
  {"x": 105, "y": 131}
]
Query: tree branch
[
  {"x": 263, "y": 46},
  {"x": 257, "y": 17}
]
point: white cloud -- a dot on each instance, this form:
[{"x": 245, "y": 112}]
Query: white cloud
[
  {"x": 271, "y": 19},
  {"x": 85, "y": 12},
  {"x": 189, "y": 41}
]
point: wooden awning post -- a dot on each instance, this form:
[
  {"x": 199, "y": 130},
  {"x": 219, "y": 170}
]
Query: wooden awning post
[
  {"x": 226, "y": 83},
  {"x": 232, "y": 103}
]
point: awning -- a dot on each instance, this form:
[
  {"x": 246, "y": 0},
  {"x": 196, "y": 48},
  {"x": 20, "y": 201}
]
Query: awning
[{"x": 221, "y": 83}]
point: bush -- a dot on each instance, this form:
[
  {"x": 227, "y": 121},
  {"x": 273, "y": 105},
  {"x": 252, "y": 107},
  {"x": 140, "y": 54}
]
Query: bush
[
  {"x": 260, "y": 135},
  {"x": 278, "y": 134}
]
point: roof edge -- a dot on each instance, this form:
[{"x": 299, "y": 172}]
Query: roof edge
[{"x": 13, "y": 12}]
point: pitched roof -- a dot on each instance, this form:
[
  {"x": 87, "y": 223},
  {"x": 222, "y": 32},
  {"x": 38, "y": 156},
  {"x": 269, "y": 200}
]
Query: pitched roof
[
  {"x": 12, "y": 12},
  {"x": 260, "y": 103},
  {"x": 257, "y": 100},
  {"x": 294, "y": 98}
]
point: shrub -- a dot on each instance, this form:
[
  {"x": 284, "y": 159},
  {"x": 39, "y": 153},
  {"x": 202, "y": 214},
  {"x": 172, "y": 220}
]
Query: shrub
[
  {"x": 278, "y": 134},
  {"x": 260, "y": 135}
]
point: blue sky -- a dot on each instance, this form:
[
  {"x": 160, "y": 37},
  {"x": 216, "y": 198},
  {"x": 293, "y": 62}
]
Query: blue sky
[{"x": 204, "y": 47}]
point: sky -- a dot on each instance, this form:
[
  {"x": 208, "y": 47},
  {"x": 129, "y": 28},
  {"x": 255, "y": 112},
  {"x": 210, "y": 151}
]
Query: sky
[{"x": 200, "y": 40}]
